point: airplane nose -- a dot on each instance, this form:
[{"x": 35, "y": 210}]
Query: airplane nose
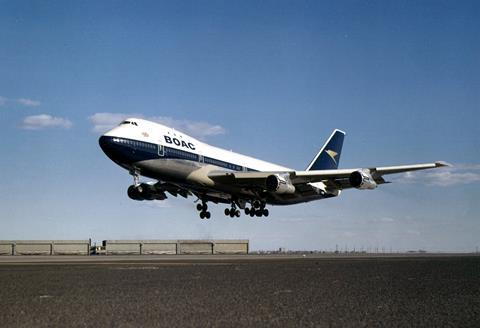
[
  {"x": 108, "y": 146},
  {"x": 104, "y": 143},
  {"x": 117, "y": 152}
]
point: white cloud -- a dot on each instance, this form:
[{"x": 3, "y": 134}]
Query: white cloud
[
  {"x": 413, "y": 232},
  {"x": 199, "y": 129},
  {"x": 444, "y": 177},
  {"x": 22, "y": 101},
  {"x": 105, "y": 121},
  {"x": 28, "y": 102},
  {"x": 386, "y": 219},
  {"x": 166, "y": 203},
  {"x": 44, "y": 121}
]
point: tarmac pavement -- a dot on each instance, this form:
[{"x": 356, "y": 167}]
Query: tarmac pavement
[{"x": 240, "y": 291}]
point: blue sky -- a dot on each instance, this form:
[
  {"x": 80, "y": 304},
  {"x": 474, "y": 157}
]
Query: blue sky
[{"x": 270, "y": 79}]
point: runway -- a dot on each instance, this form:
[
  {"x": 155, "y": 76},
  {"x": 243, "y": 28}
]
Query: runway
[{"x": 240, "y": 291}]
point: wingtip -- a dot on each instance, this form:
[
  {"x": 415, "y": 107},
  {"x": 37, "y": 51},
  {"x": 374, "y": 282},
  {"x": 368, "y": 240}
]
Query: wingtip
[{"x": 442, "y": 164}]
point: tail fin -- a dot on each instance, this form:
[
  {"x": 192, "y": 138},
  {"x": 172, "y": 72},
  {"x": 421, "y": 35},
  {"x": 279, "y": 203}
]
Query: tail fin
[{"x": 329, "y": 155}]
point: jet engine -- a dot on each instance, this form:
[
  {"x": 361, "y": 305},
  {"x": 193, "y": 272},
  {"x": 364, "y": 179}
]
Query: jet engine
[
  {"x": 145, "y": 191},
  {"x": 279, "y": 184},
  {"x": 362, "y": 179}
]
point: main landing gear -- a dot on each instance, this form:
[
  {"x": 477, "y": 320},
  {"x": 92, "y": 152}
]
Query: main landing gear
[
  {"x": 258, "y": 209},
  {"x": 202, "y": 208},
  {"x": 232, "y": 212}
]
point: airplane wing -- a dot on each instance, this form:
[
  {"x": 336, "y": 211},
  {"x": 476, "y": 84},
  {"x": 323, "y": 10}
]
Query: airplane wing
[
  {"x": 338, "y": 178},
  {"x": 376, "y": 172}
]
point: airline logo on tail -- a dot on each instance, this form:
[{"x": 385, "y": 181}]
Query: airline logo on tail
[{"x": 332, "y": 155}]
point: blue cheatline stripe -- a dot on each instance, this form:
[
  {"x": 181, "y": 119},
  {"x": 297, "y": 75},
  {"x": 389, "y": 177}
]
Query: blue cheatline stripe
[{"x": 147, "y": 150}]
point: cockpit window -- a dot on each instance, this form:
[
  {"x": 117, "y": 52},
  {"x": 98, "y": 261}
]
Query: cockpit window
[{"x": 129, "y": 122}]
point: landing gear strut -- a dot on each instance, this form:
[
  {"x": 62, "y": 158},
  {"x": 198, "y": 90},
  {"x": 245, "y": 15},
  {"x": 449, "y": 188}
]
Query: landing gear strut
[
  {"x": 203, "y": 209},
  {"x": 136, "y": 177}
]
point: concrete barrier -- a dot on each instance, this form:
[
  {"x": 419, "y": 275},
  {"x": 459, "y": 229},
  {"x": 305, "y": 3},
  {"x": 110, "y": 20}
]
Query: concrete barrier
[
  {"x": 6, "y": 247},
  {"x": 71, "y": 247},
  {"x": 45, "y": 247},
  {"x": 123, "y": 247},
  {"x": 196, "y": 247},
  {"x": 159, "y": 247},
  {"x": 230, "y": 247},
  {"x": 145, "y": 247},
  {"x": 33, "y": 247}
]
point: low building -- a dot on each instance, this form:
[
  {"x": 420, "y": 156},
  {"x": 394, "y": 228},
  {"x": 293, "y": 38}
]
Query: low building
[{"x": 156, "y": 247}]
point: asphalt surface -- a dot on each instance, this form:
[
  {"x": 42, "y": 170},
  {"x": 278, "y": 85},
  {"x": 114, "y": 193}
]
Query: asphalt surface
[{"x": 240, "y": 291}]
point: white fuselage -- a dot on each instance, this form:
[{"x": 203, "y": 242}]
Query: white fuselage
[
  {"x": 156, "y": 133},
  {"x": 156, "y": 151}
]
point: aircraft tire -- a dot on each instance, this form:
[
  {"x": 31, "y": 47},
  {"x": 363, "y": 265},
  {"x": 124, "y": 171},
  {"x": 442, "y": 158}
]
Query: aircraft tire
[
  {"x": 265, "y": 212},
  {"x": 247, "y": 211},
  {"x": 227, "y": 212},
  {"x": 202, "y": 215},
  {"x": 237, "y": 213},
  {"x": 207, "y": 215},
  {"x": 199, "y": 207}
]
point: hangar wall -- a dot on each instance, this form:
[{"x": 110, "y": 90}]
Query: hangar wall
[
  {"x": 143, "y": 247},
  {"x": 124, "y": 247},
  {"x": 45, "y": 247}
]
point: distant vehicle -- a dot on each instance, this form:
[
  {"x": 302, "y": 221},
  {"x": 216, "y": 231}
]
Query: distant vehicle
[{"x": 185, "y": 166}]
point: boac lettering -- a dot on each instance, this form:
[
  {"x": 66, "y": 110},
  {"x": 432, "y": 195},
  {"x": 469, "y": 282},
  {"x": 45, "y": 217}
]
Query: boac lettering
[{"x": 177, "y": 142}]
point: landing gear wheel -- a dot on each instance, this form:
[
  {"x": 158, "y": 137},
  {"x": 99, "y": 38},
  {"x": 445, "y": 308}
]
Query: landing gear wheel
[
  {"x": 247, "y": 211},
  {"x": 265, "y": 212},
  {"x": 202, "y": 215},
  {"x": 199, "y": 207},
  {"x": 207, "y": 215},
  {"x": 252, "y": 213},
  {"x": 227, "y": 212},
  {"x": 204, "y": 207},
  {"x": 237, "y": 213},
  {"x": 258, "y": 213},
  {"x": 133, "y": 193},
  {"x": 232, "y": 214}
]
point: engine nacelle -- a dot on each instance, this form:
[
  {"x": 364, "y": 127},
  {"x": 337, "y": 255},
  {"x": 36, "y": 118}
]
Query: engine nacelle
[
  {"x": 279, "y": 184},
  {"x": 362, "y": 179}
]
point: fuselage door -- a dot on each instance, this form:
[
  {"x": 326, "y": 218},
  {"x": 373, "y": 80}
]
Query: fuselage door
[{"x": 160, "y": 151}]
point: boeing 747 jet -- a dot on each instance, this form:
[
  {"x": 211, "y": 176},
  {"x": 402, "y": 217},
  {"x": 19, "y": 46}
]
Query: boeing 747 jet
[{"x": 185, "y": 166}]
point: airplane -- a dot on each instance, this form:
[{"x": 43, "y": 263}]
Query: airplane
[{"x": 185, "y": 166}]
